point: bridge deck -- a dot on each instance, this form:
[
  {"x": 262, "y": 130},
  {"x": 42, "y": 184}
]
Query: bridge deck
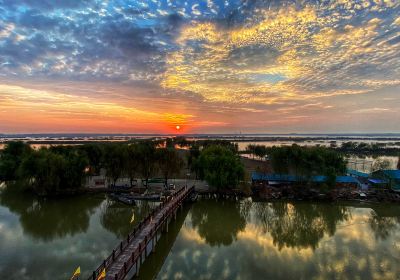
[{"x": 132, "y": 251}]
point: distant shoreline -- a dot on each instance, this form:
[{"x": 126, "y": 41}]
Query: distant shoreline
[{"x": 57, "y": 139}]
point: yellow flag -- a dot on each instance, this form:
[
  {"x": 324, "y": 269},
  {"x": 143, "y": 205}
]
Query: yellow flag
[
  {"x": 102, "y": 275},
  {"x": 76, "y": 273},
  {"x": 133, "y": 217}
]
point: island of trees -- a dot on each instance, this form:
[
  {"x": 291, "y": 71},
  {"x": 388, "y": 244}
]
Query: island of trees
[{"x": 65, "y": 169}]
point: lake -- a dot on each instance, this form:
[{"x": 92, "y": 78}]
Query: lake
[{"x": 211, "y": 239}]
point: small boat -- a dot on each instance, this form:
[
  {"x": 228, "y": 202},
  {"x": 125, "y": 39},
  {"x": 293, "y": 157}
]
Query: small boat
[
  {"x": 122, "y": 198},
  {"x": 152, "y": 197}
]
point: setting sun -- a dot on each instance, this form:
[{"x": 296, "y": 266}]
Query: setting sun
[{"x": 178, "y": 127}]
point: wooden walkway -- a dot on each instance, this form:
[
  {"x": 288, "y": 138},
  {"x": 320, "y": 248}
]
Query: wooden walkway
[{"x": 128, "y": 256}]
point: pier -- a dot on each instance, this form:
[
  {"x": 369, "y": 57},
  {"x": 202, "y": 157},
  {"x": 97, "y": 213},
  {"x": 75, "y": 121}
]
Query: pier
[{"x": 128, "y": 256}]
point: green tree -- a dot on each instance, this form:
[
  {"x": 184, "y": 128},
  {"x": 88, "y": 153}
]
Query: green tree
[
  {"x": 48, "y": 172},
  {"x": 94, "y": 153},
  {"x": 192, "y": 160},
  {"x": 114, "y": 161},
  {"x": 169, "y": 162},
  {"x": 148, "y": 159},
  {"x": 10, "y": 160},
  {"x": 221, "y": 167},
  {"x": 306, "y": 162},
  {"x": 43, "y": 171},
  {"x": 259, "y": 151},
  {"x": 133, "y": 162}
]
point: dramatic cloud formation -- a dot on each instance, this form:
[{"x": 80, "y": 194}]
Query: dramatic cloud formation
[{"x": 228, "y": 66}]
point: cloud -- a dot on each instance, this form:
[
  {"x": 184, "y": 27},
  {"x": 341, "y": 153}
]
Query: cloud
[
  {"x": 225, "y": 60},
  {"x": 372, "y": 110},
  {"x": 313, "y": 51}
]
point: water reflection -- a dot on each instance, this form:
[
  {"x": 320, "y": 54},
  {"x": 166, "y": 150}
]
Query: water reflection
[
  {"x": 46, "y": 219},
  {"x": 384, "y": 220},
  {"x": 120, "y": 219},
  {"x": 47, "y": 239},
  {"x": 285, "y": 241},
  {"x": 218, "y": 222},
  {"x": 299, "y": 225}
]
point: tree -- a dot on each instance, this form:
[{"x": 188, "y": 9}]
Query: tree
[
  {"x": 148, "y": 159},
  {"x": 10, "y": 159},
  {"x": 220, "y": 167},
  {"x": 133, "y": 162},
  {"x": 115, "y": 158},
  {"x": 94, "y": 153},
  {"x": 250, "y": 149},
  {"x": 42, "y": 170},
  {"x": 192, "y": 160},
  {"x": 48, "y": 172},
  {"x": 259, "y": 151},
  {"x": 306, "y": 162},
  {"x": 169, "y": 162}
]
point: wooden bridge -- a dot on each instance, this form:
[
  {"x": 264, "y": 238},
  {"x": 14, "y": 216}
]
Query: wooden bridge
[{"x": 128, "y": 256}]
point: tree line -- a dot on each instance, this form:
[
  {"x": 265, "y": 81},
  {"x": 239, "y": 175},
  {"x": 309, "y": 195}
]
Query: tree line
[
  {"x": 304, "y": 162},
  {"x": 63, "y": 169},
  {"x": 362, "y": 148},
  {"x": 60, "y": 169}
]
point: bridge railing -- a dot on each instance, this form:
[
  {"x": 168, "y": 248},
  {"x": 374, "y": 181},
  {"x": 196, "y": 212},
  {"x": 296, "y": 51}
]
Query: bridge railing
[{"x": 177, "y": 197}]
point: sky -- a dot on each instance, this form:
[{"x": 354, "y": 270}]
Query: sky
[{"x": 211, "y": 66}]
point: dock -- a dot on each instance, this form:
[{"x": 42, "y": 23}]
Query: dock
[{"x": 126, "y": 259}]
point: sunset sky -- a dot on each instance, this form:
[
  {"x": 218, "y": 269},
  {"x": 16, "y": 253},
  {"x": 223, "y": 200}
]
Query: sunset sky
[{"x": 206, "y": 66}]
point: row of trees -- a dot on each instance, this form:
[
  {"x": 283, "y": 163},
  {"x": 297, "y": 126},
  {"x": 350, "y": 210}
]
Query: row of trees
[
  {"x": 302, "y": 161},
  {"x": 65, "y": 168},
  {"x": 308, "y": 161},
  {"x": 60, "y": 169},
  {"x": 259, "y": 151}
]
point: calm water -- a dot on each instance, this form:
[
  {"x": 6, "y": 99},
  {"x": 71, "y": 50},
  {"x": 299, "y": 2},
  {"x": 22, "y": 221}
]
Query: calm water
[
  {"x": 42, "y": 239},
  {"x": 209, "y": 240}
]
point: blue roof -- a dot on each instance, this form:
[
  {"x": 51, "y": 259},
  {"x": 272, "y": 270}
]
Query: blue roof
[
  {"x": 377, "y": 181},
  {"x": 292, "y": 178},
  {"x": 395, "y": 174},
  {"x": 346, "y": 179}
]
